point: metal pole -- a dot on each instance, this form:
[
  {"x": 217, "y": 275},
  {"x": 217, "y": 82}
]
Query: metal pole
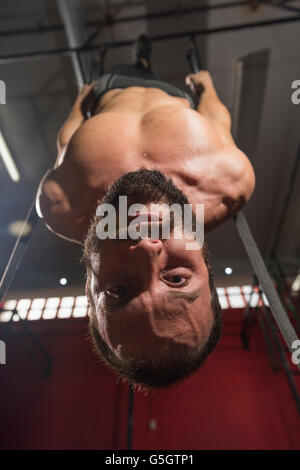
[
  {"x": 283, "y": 359},
  {"x": 74, "y": 27},
  {"x": 130, "y": 418},
  {"x": 284, "y": 7},
  {"x": 12, "y": 58},
  {"x": 110, "y": 21},
  {"x": 18, "y": 251},
  {"x": 265, "y": 281},
  {"x": 251, "y": 248},
  {"x": 255, "y": 257}
]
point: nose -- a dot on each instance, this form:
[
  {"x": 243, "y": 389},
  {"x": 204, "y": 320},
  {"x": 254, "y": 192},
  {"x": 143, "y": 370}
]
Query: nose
[{"x": 150, "y": 247}]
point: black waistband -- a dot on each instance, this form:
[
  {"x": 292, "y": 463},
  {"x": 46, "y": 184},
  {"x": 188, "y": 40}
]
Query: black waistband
[{"x": 110, "y": 81}]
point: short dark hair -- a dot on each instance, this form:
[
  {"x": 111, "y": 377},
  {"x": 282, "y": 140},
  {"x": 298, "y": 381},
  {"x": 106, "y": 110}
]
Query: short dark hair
[{"x": 152, "y": 372}]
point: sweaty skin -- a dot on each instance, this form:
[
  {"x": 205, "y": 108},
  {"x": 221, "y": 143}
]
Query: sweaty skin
[{"x": 145, "y": 128}]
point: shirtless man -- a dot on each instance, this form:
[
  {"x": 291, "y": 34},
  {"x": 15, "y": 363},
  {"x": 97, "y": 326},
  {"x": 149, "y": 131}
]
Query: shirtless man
[{"x": 154, "y": 312}]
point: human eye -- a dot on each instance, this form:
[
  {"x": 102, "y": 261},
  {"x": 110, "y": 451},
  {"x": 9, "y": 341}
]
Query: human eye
[{"x": 176, "y": 277}]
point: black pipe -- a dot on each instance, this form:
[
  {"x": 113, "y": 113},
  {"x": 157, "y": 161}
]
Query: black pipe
[
  {"x": 130, "y": 418},
  {"x": 109, "y": 21},
  {"x": 34, "y": 339},
  {"x": 5, "y": 59},
  {"x": 284, "y": 7},
  {"x": 284, "y": 362}
]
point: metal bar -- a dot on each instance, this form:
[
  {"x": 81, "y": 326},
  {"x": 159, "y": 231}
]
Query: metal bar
[
  {"x": 248, "y": 326},
  {"x": 248, "y": 320},
  {"x": 237, "y": 95},
  {"x": 111, "y": 21},
  {"x": 283, "y": 291},
  {"x": 70, "y": 13},
  {"x": 255, "y": 257},
  {"x": 283, "y": 359},
  {"x": 193, "y": 56},
  {"x": 32, "y": 337},
  {"x": 253, "y": 252},
  {"x": 18, "y": 252},
  {"x": 12, "y": 58},
  {"x": 130, "y": 418},
  {"x": 273, "y": 360},
  {"x": 284, "y": 7},
  {"x": 279, "y": 314}
]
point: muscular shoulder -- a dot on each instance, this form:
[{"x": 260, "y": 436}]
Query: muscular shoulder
[
  {"x": 238, "y": 172},
  {"x": 234, "y": 179},
  {"x": 54, "y": 206}
]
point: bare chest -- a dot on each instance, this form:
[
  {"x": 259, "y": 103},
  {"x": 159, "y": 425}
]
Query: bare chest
[{"x": 171, "y": 138}]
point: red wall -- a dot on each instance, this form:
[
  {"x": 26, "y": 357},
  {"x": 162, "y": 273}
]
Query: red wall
[{"x": 234, "y": 402}]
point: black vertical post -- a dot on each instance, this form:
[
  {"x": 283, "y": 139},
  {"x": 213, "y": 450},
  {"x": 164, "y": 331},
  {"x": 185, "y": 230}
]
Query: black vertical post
[{"x": 130, "y": 418}]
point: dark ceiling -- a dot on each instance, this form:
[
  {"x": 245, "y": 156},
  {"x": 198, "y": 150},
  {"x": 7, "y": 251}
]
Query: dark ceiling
[{"x": 40, "y": 93}]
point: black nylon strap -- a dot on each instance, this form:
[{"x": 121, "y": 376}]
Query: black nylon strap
[{"x": 265, "y": 281}]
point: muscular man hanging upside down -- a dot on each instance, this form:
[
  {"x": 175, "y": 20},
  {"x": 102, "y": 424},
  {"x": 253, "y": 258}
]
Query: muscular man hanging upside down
[{"x": 154, "y": 315}]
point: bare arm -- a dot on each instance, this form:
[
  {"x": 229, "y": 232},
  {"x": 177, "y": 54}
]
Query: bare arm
[
  {"x": 233, "y": 173},
  {"x": 73, "y": 121},
  {"x": 52, "y": 202},
  {"x": 210, "y": 105}
]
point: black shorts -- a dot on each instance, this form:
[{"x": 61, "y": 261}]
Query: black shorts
[{"x": 124, "y": 76}]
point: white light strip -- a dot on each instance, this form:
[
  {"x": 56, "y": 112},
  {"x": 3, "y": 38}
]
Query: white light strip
[
  {"x": 67, "y": 302},
  {"x": 77, "y": 307},
  {"x": 5, "y": 316},
  {"x": 8, "y": 160},
  {"x": 10, "y": 304},
  {"x": 236, "y": 301},
  {"x": 296, "y": 284},
  {"x": 64, "y": 312},
  {"x": 223, "y": 301},
  {"x": 79, "y": 312},
  {"x": 49, "y": 313},
  {"x": 34, "y": 314}
]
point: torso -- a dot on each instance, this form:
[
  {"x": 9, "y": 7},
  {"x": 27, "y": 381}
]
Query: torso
[{"x": 142, "y": 127}]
